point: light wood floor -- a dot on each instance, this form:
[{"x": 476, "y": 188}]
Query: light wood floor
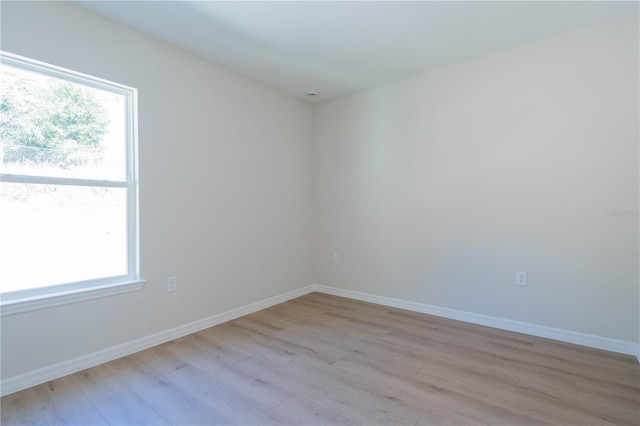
[{"x": 322, "y": 359}]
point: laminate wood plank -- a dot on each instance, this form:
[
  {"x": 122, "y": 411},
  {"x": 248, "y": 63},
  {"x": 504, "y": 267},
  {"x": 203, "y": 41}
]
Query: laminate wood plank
[
  {"x": 291, "y": 347},
  {"x": 393, "y": 359},
  {"x": 553, "y": 388},
  {"x": 322, "y": 359},
  {"x": 314, "y": 343},
  {"x": 227, "y": 346},
  {"x": 335, "y": 390},
  {"x": 567, "y": 365},
  {"x": 298, "y": 309},
  {"x": 289, "y": 313},
  {"x": 168, "y": 399},
  {"x": 542, "y": 386},
  {"x": 545, "y": 385},
  {"x": 434, "y": 399},
  {"x": 56, "y": 402},
  {"x": 492, "y": 406},
  {"x": 320, "y": 397},
  {"x": 398, "y": 389},
  {"x": 234, "y": 407},
  {"x": 481, "y": 357},
  {"x": 112, "y": 398},
  {"x": 231, "y": 377},
  {"x": 468, "y": 378},
  {"x": 292, "y": 375},
  {"x": 596, "y": 410},
  {"x": 307, "y": 410},
  {"x": 160, "y": 360},
  {"x": 345, "y": 393},
  {"x": 355, "y": 324},
  {"x": 271, "y": 320},
  {"x": 467, "y": 386},
  {"x": 614, "y": 394},
  {"x": 253, "y": 342},
  {"x": 583, "y": 353}
]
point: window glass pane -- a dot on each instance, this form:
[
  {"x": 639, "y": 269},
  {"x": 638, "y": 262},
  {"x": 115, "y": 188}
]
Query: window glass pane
[
  {"x": 53, "y": 234},
  {"x": 52, "y": 127}
]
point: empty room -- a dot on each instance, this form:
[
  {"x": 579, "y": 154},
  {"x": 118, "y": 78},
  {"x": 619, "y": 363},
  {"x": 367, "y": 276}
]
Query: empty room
[{"x": 252, "y": 213}]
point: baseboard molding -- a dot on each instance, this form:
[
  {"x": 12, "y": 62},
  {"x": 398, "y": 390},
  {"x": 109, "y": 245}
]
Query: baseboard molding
[
  {"x": 45, "y": 374},
  {"x": 599, "y": 342}
]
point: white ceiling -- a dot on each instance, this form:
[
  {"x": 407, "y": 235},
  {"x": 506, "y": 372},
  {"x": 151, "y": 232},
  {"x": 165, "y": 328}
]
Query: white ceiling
[{"x": 337, "y": 47}]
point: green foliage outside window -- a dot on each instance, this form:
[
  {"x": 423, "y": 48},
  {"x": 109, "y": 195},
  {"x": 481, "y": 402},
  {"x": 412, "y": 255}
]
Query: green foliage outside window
[{"x": 45, "y": 121}]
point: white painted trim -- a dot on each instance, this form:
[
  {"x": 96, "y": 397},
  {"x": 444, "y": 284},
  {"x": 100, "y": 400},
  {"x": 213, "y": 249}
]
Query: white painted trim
[
  {"x": 17, "y": 301},
  {"x": 42, "y": 375},
  {"x": 12, "y": 306},
  {"x": 53, "y": 180},
  {"x": 606, "y": 343}
]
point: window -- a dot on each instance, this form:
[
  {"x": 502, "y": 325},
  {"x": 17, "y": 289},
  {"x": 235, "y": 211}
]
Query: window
[{"x": 68, "y": 186}]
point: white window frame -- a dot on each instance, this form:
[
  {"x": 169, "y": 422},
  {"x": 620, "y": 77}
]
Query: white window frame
[{"x": 14, "y": 302}]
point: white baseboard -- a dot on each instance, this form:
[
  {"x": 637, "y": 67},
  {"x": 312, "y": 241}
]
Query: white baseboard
[
  {"x": 45, "y": 374},
  {"x": 606, "y": 343}
]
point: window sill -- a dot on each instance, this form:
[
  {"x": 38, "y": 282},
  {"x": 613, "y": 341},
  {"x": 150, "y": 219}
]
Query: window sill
[{"x": 26, "y": 304}]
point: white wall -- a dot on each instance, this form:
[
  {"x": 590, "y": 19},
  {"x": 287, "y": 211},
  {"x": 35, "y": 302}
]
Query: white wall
[
  {"x": 225, "y": 187},
  {"x": 437, "y": 188},
  {"x": 434, "y": 189}
]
